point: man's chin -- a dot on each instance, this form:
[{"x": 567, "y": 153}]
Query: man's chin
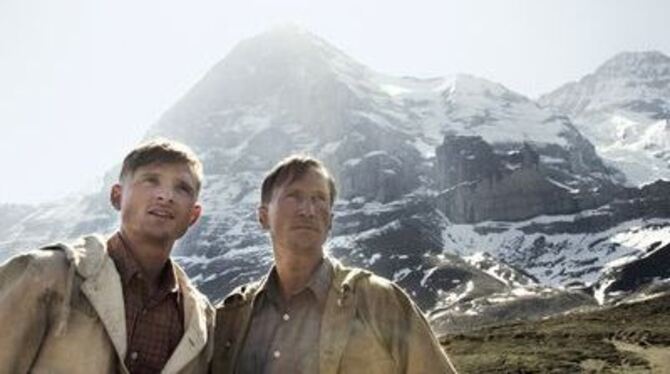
[
  {"x": 307, "y": 246},
  {"x": 160, "y": 236},
  {"x": 306, "y": 228}
]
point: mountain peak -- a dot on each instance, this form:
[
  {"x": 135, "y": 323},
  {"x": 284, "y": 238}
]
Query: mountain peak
[
  {"x": 288, "y": 35},
  {"x": 465, "y": 85},
  {"x": 284, "y": 67},
  {"x": 473, "y": 83},
  {"x": 626, "y": 81},
  {"x": 288, "y": 45},
  {"x": 637, "y": 64},
  {"x": 618, "y": 108}
]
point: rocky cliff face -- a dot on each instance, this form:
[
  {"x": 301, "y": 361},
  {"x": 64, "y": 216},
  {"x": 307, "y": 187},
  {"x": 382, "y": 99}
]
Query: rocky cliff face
[
  {"x": 479, "y": 184},
  {"x": 377, "y": 176}
]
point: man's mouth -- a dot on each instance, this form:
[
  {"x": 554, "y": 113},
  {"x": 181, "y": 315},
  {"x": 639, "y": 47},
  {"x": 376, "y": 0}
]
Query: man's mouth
[
  {"x": 305, "y": 227},
  {"x": 161, "y": 213}
]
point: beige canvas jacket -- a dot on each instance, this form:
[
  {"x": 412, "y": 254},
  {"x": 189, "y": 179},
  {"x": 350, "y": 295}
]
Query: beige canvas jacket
[
  {"x": 61, "y": 311},
  {"x": 369, "y": 326}
]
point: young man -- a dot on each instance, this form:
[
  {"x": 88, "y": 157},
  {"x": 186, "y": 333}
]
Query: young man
[
  {"x": 310, "y": 314},
  {"x": 117, "y": 304}
]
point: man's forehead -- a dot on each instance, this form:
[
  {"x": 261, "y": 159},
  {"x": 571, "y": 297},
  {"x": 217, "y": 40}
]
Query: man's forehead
[
  {"x": 315, "y": 175},
  {"x": 157, "y": 167}
]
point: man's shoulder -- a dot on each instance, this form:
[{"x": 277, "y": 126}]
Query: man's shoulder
[
  {"x": 47, "y": 267},
  {"x": 57, "y": 257},
  {"x": 240, "y": 296},
  {"x": 375, "y": 290},
  {"x": 363, "y": 279},
  {"x": 41, "y": 262}
]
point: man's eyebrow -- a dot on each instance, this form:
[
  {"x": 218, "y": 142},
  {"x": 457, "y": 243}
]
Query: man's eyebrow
[{"x": 145, "y": 173}]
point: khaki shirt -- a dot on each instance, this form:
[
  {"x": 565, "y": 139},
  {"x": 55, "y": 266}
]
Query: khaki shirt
[
  {"x": 368, "y": 326},
  {"x": 284, "y": 334}
]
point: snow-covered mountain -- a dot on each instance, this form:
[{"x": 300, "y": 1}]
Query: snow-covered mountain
[
  {"x": 475, "y": 199},
  {"x": 624, "y": 109}
]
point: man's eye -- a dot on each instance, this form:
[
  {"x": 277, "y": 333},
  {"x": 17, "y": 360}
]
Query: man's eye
[{"x": 185, "y": 189}]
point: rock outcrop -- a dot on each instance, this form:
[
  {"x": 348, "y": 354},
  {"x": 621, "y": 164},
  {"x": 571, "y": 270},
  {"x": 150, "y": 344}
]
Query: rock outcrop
[{"x": 478, "y": 184}]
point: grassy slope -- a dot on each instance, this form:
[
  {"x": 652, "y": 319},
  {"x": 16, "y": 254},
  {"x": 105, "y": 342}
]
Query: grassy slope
[{"x": 579, "y": 342}]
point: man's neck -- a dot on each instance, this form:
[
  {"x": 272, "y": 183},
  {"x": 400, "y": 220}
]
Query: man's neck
[
  {"x": 150, "y": 255},
  {"x": 295, "y": 270}
]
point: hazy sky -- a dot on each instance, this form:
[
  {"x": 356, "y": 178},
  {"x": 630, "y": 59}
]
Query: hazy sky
[{"x": 82, "y": 80}]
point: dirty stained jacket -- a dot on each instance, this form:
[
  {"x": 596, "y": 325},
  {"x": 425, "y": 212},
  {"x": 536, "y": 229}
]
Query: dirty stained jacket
[
  {"x": 61, "y": 311},
  {"x": 369, "y": 326}
]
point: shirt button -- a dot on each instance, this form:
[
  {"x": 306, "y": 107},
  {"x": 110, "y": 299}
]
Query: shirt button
[
  {"x": 276, "y": 354},
  {"x": 286, "y": 317},
  {"x": 133, "y": 356}
]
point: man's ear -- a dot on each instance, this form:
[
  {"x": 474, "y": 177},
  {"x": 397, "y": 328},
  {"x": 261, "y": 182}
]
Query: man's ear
[
  {"x": 115, "y": 196},
  {"x": 195, "y": 214},
  {"x": 263, "y": 216}
]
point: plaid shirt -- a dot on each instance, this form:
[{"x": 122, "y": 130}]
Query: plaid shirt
[{"x": 154, "y": 323}]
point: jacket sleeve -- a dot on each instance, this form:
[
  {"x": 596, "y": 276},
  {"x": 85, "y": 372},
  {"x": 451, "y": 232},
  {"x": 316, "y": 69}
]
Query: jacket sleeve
[
  {"x": 24, "y": 312},
  {"x": 404, "y": 329},
  {"x": 423, "y": 352}
]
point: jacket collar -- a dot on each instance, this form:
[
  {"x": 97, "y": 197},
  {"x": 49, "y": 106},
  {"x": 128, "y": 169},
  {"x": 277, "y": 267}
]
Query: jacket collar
[
  {"x": 319, "y": 284},
  {"x": 343, "y": 282},
  {"x": 338, "y": 314},
  {"x": 102, "y": 287}
]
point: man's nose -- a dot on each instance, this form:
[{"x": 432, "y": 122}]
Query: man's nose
[
  {"x": 164, "y": 193},
  {"x": 307, "y": 207}
]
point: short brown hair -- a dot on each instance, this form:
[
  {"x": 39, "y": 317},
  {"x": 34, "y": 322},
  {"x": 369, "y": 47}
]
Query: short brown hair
[
  {"x": 162, "y": 151},
  {"x": 290, "y": 169}
]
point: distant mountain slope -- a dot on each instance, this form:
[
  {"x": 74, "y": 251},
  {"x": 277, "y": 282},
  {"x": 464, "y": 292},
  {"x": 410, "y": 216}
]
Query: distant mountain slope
[{"x": 624, "y": 109}]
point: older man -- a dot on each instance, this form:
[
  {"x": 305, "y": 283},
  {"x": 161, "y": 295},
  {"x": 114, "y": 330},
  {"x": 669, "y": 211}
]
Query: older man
[
  {"x": 311, "y": 314},
  {"x": 116, "y": 304}
]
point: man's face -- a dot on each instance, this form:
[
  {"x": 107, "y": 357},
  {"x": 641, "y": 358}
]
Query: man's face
[
  {"x": 299, "y": 214},
  {"x": 158, "y": 202}
]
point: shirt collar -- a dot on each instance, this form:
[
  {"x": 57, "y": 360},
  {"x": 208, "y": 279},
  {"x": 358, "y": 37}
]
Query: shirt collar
[
  {"x": 318, "y": 283},
  {"x": 129, "y": 268}
]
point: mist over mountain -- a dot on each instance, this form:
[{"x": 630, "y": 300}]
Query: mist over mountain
[{"x": 483, "y": 204}]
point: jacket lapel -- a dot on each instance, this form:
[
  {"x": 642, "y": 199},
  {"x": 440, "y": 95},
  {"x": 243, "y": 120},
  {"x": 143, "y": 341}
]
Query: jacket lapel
[
  {"x": 252, "y": 292},
  {"x": 233, "y": 316},
  {"x": 195, "y": 329},
  {"x": 102, "y": 287},
  {"x": 336, "y": 323}
]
